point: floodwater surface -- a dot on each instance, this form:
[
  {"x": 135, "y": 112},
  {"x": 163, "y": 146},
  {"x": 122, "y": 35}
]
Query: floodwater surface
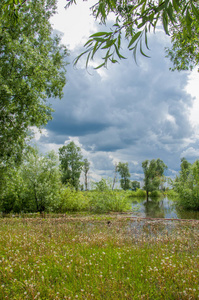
[{"x": 161, "y": 208}]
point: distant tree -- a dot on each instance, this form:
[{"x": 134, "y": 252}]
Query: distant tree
[
  {"x": 115, "y": 176},
  {"x": 135, "y": 185},
  {"x": 85, "y": 169},
  {"x": 123, "y": 170},
  {"x": 102, "y": 185},
  {"x": 71, "y": 164},
  {"x": 153, "y": 173},
  {"x": 185, "y": 169}
]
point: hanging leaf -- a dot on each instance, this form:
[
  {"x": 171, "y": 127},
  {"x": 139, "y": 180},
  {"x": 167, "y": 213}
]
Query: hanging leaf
[
  {"x": 134, "y": 38},
  {"x": 165, "y": 22}
]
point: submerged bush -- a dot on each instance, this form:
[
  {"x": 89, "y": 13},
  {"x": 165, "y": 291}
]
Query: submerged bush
[
  {"x": 138, "y": 193},
  {"x": 72, "y": 200},
  {"x": 109, "y": 200},
  {"x": 155, "y": 194}
]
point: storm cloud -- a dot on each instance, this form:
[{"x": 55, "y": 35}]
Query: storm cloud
[{"x": 126, "y": 113}]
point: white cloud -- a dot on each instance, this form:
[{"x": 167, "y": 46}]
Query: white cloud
[{"x": 190, "y": 153}]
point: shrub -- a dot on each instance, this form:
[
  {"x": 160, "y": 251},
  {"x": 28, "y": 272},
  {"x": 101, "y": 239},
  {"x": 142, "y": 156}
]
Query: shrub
[
  {"x": 138, "y": 193},
  {"x": 72, "y": 200},
  {"x": 155, "y": 194},
  {"x": 107, "y": 201}
]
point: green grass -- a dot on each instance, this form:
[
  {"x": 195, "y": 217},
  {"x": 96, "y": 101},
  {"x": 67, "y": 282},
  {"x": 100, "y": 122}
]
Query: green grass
[{"x": 84, "y": 257}]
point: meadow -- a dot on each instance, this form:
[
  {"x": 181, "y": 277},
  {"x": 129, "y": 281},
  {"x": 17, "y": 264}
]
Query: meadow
[{"x": 111, "y": 256}]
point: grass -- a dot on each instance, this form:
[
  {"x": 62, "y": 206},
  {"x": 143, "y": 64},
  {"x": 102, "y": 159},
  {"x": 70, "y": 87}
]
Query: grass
[{"x": 88, "y": 257}]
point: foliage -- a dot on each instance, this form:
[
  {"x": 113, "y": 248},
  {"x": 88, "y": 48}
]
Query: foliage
[
  {"x": 34, "y": 186},
  {"x": 187, "y": 185},
  {"x": 138, "y": 193},
  {"x": 102, "y": 185},
  {"x": 155, "y": 194},
  {"x": 135, "y": 19},
  {"x": 153, "y": 174},
  {"x": 135, "y": 185},
  {"x": 171, "y": 193},
  {"x": 32, "y": 69},
  {"x": 184, "y": 52},
  {"x": 108, "y": 200},
  {"x": 72, "y": 200},
  {"x": 123, "y": 170},
  {"x": 85, "y": 169},
  {"x": 71, "y": 165}
]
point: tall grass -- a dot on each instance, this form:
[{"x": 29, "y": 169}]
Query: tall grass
[{"x": 90, "y": 258}]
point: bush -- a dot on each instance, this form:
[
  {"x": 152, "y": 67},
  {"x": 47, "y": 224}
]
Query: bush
[
  {"x": 72, "y": 200},
  {"x": 172, "y": 194},
  {"x": 155, "y": 194},
  {"x": 138, "y": 193},
  {"x": 188, "y": 199},
  {"x": 107, "y": 201}
]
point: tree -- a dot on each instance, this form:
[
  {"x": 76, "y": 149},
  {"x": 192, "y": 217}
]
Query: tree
[
  {"x": 71, "y": 164},
  {"x": 153, "y": 173},
  {"x": 123, "y": 170},
  {"x": 32, "y": 69},
  {"x": 184, "y": 53},
  {"x": 85, "y": 169},
  {"x": 134, "y": 19},
  {"x": 185, "y": 169},
  {"x": 32, "y": 186},
  {"x": 187, "y": 185},
  {"x": 102, "y": 185},
  {"x": 135, "y": 185},
  {"x": 115, "y": 176}
]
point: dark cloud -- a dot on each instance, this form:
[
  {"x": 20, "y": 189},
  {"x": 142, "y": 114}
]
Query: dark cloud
[{"x": 131, "y": 112}]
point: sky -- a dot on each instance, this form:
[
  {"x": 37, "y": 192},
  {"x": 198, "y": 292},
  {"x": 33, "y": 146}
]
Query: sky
[{"x": 126, "y": 113}]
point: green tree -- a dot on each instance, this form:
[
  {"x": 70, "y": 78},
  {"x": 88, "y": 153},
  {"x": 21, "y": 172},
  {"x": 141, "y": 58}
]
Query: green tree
[
  {"x": 102, "y": 185},
  {"x": 32, "y": 186},
  {"x": 135, "y": 19},
  {"x": 184, "y": 53},
  {"x": 186, "y": 184},
  {"x": 153, "y": 173},
  {"x": 32, "y": 69},
  {"x": 185, "y": 169},
  {"x": 71, "y": 164},
  {"x": 135, "y": 185},
  {"x": 123, "y": 170},
  {"x": 85, "y": 169},
  {"x": 115, "y": 176}
]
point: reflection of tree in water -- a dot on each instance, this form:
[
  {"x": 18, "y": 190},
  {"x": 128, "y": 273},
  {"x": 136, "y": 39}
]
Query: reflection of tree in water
[
  {"x": 186, "y": 214},
  {"x": 154, "y": 208}
]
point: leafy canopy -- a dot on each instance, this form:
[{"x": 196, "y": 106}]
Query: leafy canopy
[
  {"x": 123, "y": 170},
  {"x": 32, "y": 69},
  {"x": 153, "y": 174},
  {"x": 71, "y": 164},
  {"x": 135, "y": 19},
  {"x": 186, "y": 184}
]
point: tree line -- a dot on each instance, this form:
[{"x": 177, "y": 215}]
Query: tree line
[{"x": 41, "y": 182}]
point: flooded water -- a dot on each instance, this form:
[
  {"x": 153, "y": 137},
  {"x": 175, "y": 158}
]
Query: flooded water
[{"x": 161, "y": 208}]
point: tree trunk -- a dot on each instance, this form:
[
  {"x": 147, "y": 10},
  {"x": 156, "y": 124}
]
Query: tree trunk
[{"x": 147, "y": 196}]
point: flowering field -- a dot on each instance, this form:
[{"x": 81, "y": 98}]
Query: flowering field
[{"x": 98, "y": 257}]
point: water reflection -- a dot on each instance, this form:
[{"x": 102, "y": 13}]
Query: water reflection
[{"x": 160, "y": 208}]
